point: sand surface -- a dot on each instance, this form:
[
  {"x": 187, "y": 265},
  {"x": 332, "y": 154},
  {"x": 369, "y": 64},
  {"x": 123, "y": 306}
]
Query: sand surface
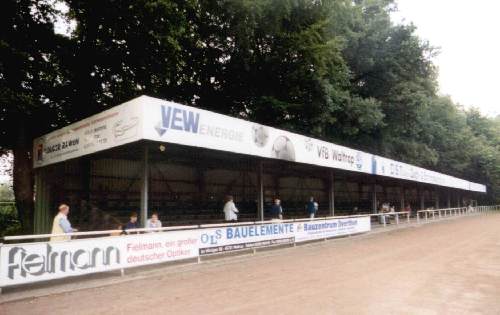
[{"x": 448, "y": 267}]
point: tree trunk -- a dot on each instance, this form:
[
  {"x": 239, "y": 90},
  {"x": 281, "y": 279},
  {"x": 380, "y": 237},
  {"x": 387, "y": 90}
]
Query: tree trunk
[{"x": 23, "y": 178}]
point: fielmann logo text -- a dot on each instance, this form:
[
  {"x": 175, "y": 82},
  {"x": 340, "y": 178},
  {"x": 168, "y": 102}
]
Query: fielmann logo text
[{"x": 22, "y": 263}]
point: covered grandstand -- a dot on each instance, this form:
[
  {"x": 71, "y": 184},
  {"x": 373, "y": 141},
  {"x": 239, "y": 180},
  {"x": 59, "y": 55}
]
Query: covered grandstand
[{"x": 153, "y": 155}]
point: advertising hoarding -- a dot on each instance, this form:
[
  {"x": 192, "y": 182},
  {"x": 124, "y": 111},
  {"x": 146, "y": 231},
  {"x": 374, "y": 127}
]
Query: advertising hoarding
[
  {"x": 33, "y": 262},
  {"x": 312, "y": 230},
  {"x": 158, "y": 120},
  {"x": 113, "y": 127},
  {"x": 230, "y": 238},
  {"x": 25, "y": 263},
  {"x": 175, "y": 123}
]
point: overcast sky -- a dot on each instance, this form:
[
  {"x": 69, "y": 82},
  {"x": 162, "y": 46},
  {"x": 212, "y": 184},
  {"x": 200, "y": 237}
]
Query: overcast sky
[{"x": 468, "y": 34}]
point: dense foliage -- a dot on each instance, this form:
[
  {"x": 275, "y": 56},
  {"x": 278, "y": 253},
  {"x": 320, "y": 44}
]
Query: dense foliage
[{"x": 336, "y": 69}]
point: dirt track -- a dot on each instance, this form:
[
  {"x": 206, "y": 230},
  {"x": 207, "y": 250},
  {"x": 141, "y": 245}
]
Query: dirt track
[{"x": 450, "y": 267}]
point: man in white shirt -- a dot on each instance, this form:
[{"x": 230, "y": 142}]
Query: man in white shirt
[
  {"x": 61, "y": 224},
  {"x": 153, "y": 222},
  {"x": 230, "y": 210}
]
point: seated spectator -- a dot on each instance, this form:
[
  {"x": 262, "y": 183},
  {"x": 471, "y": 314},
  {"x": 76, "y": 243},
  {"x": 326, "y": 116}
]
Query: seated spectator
[
  {"x": 153, "y": 222},
  {"x": 119, "y": 231},
  {"x": 132, "y": 223}
]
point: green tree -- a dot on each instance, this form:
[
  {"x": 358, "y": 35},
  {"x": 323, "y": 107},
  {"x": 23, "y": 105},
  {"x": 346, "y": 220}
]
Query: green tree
[
  {"x": 335, "y": 69},
  {"x": 29, "y": 83}
]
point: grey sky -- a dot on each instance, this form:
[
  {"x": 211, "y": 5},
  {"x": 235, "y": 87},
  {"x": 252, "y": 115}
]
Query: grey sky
[{"x": 467, "y": 33}]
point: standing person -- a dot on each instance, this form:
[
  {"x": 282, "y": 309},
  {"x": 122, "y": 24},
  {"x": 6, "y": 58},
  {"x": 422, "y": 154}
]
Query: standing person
[
  {"x": 61, "y": 224},
  {"x": 230, "y": 210},
  {"x": 277, "y": 210},
  {"x": 385, "y": 208},
  {"x": 312, "y": 207},
  {"x": 132, "y": 223},
  {"x": 153, "y": 222},
  {"x": 408, "y": 209}
]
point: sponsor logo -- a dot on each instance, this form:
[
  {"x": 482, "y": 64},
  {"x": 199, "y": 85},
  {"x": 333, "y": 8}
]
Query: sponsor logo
[
  {"x": 245, "y": 232},
  {"x": 22, "y": 263},
  {"x": 359, "y": 161},
  {"x": 48, "y": 149},
  {"x": 374, "y": 165},
  {"x": 241, "y": 246},
  {"x": 308, "y": 144},
  {"x": 283, "y": 149},
  {"x": 123, "y": 128},
  {"x": 300, "y": 227},
  {"x": 329, "y": 225},
  {"x": 339, "y": 156},
  {"x": 342, "y": 157},
  {"x": 260, "y": 135},
  {"x": 177, "y": 119}
]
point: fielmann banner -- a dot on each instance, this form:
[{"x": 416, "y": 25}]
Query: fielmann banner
[
  {"x": 24, "y": 263},
  {"x": 33, "y": 262}
]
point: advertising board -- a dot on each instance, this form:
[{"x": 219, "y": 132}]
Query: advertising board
[
  {"x": 25, "y": 263},
  {"x": 163, "y": 121},
  {"x": 312, "y": 230},
  {"x": 111, "y": 128},
  {"x": 231, "y": 238},
  {"x": 33, "y": 262},
  {"x": 174, "y": 123}
]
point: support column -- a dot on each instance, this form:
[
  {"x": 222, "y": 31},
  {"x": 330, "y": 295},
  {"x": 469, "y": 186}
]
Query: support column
[
  {"x": 374, "y": 198},
  {"x": 402, "y": 197},
  {"x": 437, "y": 198},
  {"x": 260, "y": 192},
  {"x": 449, "y": 200},
  {"x": 200, "y": 181},
  {"x": 422, "y": 198},
  {"x": 331, "y": 193},
  {"x": 144, "y": 185}
]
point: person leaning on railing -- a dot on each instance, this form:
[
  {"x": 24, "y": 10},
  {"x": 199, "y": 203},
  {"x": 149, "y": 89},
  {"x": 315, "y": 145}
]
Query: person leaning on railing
[
  {"x": 154, "y": 222},
  {"x": 61, "y": 224},
  {"x": 132, "y": 223},
  {"x": 407, "y": 209}
]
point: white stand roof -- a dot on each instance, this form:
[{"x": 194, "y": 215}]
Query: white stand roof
[{"x": 158, "y": 120}]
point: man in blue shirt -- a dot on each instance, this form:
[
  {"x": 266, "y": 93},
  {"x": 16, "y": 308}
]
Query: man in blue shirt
[
  {"x": 277, "y": 210},
  {"x": 311, "y": 207}
]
